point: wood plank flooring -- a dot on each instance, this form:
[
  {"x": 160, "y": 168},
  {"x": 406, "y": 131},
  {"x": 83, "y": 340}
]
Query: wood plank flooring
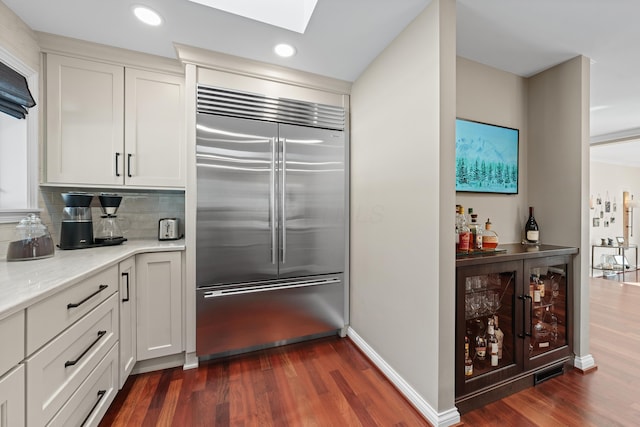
[{"x": 328, "y": 382}]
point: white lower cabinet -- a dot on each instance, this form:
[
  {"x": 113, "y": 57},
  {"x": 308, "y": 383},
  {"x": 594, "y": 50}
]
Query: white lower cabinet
[
  {"x": 12, "y": 404},
  {"x": 55, "y": 372},
  {"x": 128, "y": 321},
  {"x": 159, "y": 293}
]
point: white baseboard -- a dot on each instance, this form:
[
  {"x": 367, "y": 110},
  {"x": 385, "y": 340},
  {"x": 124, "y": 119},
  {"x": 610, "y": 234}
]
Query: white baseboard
[
  {"x": 190, "y": 361},
  {"x": 584, "y": 363},
  {"x": 157, "y": 364},
  {"x": 442, "y": 419}
]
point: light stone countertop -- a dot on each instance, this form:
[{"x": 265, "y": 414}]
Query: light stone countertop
[{"x": 23, "y": 283}]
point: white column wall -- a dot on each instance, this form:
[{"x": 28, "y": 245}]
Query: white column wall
[{"x": 402, "y": 198}]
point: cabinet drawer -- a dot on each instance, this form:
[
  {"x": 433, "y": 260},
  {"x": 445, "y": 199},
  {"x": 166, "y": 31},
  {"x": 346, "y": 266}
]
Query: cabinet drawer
[
  {"x": 88, "y": 404},
  {"x": 12, "y": 337},
  {"x": 48, "y": 318},
  {"x": 57, "y": 370}
]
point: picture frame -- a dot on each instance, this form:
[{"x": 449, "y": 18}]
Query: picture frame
[{"x": 487, "y": 158}]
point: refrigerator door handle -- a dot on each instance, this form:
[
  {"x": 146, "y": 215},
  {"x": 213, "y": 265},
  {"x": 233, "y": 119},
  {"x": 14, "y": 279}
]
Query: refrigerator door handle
[
  {"x": 270, "y": 287},
  {"x": 283, "y": 203},
  {"x": 272, "y": 202}
]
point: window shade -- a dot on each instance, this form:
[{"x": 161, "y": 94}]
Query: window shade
[{"x": 15, "y": 97}]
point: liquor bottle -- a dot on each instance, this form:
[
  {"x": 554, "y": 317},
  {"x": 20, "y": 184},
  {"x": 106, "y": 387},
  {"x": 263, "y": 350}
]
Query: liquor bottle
[
  {"x": 476, "y": 232},
  {"x": 464, "y": 234},
  {"x": 468, "y": 362},
  {"x": 481, "y": 342},
  {"x": 457, "y": 227},
  {"x": 499, "y": 335},
  {"x": 533, "y": 286},
  {"x": 532, "y": 233},
  {"x": 489, "y": 237},
  {"x": 493, "y": 342}
]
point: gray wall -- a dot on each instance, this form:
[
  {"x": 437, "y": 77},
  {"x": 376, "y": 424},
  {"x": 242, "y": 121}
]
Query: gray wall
[
  {"x": 489, "y": 95},
  {"x": 558, "y": 178}
]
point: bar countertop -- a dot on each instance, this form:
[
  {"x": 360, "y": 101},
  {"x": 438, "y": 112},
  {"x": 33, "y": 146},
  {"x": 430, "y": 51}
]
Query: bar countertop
[{"x": 514, "y": 251}]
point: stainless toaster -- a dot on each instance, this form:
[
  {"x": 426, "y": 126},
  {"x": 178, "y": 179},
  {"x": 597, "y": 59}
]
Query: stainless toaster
[{"x": 169, "y": 229}]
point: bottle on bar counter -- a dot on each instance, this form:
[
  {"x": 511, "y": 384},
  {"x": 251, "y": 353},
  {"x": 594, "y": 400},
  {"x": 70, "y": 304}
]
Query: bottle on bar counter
[
  {"x": 476, "y": 233},
  {"x": 463, "y": 236},
  {"x": 531, "y": 231},
  {"x": 489, "y": 237}
]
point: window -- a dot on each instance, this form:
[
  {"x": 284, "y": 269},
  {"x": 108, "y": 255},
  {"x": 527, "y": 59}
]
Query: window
[{"x": 19, "y": 152}]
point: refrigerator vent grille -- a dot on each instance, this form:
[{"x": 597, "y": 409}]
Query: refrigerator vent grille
[{"x": 226, "y": 102}]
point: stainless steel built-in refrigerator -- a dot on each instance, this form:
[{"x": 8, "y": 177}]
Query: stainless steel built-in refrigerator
[{"x": 270, "y": 235}]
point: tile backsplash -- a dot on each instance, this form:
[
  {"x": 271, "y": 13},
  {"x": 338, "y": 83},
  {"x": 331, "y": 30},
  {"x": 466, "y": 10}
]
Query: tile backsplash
[{"x": 138, "y": 215}]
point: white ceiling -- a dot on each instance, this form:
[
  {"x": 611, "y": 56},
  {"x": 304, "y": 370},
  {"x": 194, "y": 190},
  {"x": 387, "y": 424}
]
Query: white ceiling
[{"x": 344, "y": 36}]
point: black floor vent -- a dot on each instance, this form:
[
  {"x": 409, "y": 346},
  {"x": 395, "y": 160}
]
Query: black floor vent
[{"x": 548, "y": 374}]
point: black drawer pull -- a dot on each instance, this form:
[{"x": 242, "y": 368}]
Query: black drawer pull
[
  {"x": 129, "y": 165},
  {"x": 73, "y": 362},
  {"x": 117, "y": 172},
  {"x": 101, "y": 394},
  {"x": 78, "y": 304},
  {"x": 127, "y": 298}
]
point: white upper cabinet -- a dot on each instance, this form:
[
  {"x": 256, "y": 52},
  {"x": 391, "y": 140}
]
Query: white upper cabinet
[
  {"x": 108, "y": 125},
  {"x": 154, "y": 129},
  {"x": 84, "y": 121}
]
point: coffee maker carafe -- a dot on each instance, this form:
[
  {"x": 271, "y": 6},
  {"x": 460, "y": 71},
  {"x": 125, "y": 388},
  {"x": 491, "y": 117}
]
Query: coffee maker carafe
[
  {"x": 108, "y": 231},
  {"x": 77, "y": 225}
]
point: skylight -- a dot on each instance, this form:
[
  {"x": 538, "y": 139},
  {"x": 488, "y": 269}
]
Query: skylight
[{"x": 293, "y": 15}]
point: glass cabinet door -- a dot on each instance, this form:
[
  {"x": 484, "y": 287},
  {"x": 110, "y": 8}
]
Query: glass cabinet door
[
  {"x": 488, "y": 347},
  {"x": 546, "y": 308}
]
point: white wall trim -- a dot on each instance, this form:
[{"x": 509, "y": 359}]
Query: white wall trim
[
  {"x": 584, "y": 363},
  {"x": 442, "y": 419},
  {"x": 33, "y": 81}
]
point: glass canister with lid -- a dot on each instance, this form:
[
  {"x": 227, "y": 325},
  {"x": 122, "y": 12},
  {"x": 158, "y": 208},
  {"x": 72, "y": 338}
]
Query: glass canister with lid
[{"x": 33, "y": 241}]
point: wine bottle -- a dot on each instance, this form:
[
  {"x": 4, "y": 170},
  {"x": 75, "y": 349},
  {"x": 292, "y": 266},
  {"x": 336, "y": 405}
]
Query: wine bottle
[
  {"x": 492, "y": 342},
  {"x": 481, "y": 342},
  {"x": 531, "y": 231},
  {"x": 468, "y": 362},
  {"x": 499, "y": 335}
]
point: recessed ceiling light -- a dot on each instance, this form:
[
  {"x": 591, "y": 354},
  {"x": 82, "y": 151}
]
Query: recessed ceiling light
[
  {"x": 146, "y": 15},
  {"x": 284, "y": 50}
]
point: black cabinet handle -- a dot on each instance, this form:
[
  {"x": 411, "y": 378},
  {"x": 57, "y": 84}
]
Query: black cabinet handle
[
  {"x": 127, "y": 298},
  {"x": 78, "y": 304},
  {"x": 129, "y": 165},
  {"x": 101, "y": 394},
  {"x": 525, "y": 309},
  {"x": 73, "y": 362},
  {"x": 117, "y": 172}
]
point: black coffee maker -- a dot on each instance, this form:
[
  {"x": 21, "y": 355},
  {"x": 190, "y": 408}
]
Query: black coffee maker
[{"x": 77, "y": 225}]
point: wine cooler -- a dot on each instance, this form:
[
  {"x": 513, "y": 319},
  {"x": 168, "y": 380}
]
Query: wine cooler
[{"x": 512, "y": 321}]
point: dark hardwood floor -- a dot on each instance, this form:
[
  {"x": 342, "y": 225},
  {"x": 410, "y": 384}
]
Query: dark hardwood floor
[{"x": 328, "y": 382}]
